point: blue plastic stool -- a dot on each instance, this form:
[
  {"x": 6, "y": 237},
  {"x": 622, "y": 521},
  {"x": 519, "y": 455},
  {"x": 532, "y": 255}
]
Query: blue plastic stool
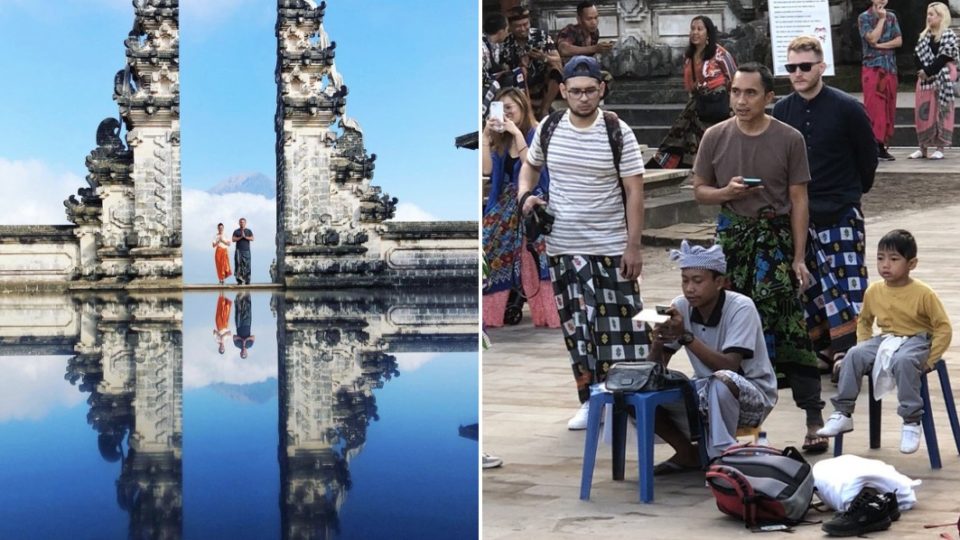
[
  {"x": 645, "y": 404},
  {"x": 929, "y": 431}
]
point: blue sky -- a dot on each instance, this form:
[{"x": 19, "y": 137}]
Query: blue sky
[{"x": 411, "y": 68}]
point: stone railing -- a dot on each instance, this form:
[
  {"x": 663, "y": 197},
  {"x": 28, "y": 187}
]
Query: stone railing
[{"x": 34, "y": 257}]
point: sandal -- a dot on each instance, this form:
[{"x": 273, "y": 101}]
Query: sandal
[
  {"x": 815, "y": 444},
  {"x": 671, "y": 467}
]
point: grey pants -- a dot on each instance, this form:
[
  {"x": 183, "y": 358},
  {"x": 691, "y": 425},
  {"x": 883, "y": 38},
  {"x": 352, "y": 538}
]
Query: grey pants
[{"x": 908, "y": 365}]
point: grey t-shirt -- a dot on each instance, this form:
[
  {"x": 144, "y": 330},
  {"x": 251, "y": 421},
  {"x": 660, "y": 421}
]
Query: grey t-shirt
[
  {"x": 733, "y": 327},
  {"x": 778, "y": 157}
]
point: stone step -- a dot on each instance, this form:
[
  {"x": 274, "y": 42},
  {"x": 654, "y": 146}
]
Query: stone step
[
  {"x": 676, "y": 208},
  {"x": 666, "y": 114},
  {"x": 662, "y": 182},
  {"x": 903, "y": 135},
  {"x": 696, "y": 233}
]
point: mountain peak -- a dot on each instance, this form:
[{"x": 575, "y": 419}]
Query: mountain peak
[{"x": 256, "y": 183}]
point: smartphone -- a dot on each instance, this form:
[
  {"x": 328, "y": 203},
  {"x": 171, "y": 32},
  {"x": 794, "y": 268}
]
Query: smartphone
[
  {"x": 496, "y": 110},
  {"x": 663, "y": 310},
  {"x": 651, "y": 316},
  {"x": 752, "y": 182}
]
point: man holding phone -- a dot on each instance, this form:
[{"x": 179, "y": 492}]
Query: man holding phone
[
  {"x": 721, "y": 332},
  {"x": 763, "y": 229},
  {"x": 594, "y": 247},
  {"x": 533, "y": 51},
  {"x": 842, "y": 154}
]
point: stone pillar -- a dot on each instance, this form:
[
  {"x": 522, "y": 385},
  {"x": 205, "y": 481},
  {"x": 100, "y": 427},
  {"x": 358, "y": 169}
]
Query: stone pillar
[{"x": 148, "y": 93}]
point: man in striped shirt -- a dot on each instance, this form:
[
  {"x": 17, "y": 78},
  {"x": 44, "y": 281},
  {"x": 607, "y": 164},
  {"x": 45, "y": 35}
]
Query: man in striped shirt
[{"x": 594, "y": 248}]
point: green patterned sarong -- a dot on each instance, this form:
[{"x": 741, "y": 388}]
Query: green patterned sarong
[{"x": 759, "y": 252}]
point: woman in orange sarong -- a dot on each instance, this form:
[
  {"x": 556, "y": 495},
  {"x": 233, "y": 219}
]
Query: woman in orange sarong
[
  {"x": 222, "y": 321},
  {"x": 220, "y": 256}
]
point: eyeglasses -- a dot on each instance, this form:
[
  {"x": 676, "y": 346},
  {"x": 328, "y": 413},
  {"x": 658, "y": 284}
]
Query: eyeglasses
[
  {"x": 804, "y": 66},
  {"x": 577, "y": 93}
]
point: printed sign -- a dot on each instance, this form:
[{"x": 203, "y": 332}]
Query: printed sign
[{"x": 792, "y": 18}]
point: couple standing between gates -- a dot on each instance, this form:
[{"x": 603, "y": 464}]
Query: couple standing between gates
[{"x": 241, "y": 255}]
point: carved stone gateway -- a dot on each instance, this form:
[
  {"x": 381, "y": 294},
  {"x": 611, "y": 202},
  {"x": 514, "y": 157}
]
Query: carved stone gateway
[
  {"x": 129, "y": 218},
  {"x": 331, "y": 228}
]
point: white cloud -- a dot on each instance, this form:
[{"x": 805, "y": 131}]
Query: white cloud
[
  {"x": 33, "y": 386},
  {"x": 413, "y": 361},
  {"x": 201, "y": 213},
  {"x": 412, "y": 212},
  {"x": 37, "y": 192}
]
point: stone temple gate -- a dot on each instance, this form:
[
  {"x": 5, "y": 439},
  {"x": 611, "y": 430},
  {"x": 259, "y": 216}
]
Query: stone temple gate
[{"x": 332, "y": 228}]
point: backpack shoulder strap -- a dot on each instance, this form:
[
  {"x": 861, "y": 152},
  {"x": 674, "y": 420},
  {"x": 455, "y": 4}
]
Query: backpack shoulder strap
[
  {"x": 546, "y": 131},
  {"x": 615, "y": 136}
]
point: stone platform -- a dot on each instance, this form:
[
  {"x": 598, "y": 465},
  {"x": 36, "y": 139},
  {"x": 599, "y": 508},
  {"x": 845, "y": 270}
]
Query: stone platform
[{"x": 528, "y": 396}]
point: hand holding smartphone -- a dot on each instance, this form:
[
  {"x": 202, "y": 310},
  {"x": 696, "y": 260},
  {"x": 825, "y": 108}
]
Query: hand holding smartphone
[
  {"x": 752, "y": 182},
  {"x": 496, "y": 113}
]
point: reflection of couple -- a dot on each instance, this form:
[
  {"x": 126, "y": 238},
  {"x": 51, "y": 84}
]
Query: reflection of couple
[
  {"x": 241, "y": 256},
  {"x": 244, "y": 319}
]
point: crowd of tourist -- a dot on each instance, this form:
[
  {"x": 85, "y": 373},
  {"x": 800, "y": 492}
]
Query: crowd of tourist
[{"x": 785, "y": 288}]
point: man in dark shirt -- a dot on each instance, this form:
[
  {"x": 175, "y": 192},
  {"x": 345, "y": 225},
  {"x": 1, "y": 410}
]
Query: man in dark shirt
[
  {"x": 531, "y": 51},
  {"x": 582, "y": 38},
  {"x": 842, "y": 152},
  {"x": 241, "y": 256},
  {"x": 243, "y": 339}
]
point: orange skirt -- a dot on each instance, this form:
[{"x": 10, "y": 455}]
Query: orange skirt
[
  {"x": 222, "y": 318},
  {"x": 222, "y": 260}
]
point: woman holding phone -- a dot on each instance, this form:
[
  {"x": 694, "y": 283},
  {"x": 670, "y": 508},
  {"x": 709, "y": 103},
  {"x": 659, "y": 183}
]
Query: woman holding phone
[{"x": 503, "y": 150}]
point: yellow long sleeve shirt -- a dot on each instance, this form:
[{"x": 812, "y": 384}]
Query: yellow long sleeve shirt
[{"x": 906, "y": 311}]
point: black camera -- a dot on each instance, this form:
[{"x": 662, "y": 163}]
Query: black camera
[{"x": 538, "y": 222}]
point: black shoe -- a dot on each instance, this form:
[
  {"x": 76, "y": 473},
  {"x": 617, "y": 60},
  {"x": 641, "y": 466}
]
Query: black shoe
[
  {"x": 868, "y": 512},
  {"x": 884, "y": 155},
  {"x": 893, "y": 508}
]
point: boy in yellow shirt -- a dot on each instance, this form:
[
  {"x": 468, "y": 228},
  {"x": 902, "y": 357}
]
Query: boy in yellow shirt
[{"x": 915, "y": 331}]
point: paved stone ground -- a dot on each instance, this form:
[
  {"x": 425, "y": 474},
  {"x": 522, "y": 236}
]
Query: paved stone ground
[{"x": 528, "y": 396}]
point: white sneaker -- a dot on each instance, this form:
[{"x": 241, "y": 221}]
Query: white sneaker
[
  {"x": 910, "y": 438},
  {"x": 917, "y": 154},
  {"x": 491, "y": 462},
  {"x": 579, "y": 420},
  {"x": 837, "y": 423}
]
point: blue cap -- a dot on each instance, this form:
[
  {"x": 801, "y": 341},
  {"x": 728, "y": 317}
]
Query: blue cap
[{"x": 582, "y": 66}]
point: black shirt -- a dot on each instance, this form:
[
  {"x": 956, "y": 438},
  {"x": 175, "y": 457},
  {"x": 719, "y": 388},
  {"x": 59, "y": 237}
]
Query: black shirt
[
  {"x": 841, "y": 149},
  {"x": 243, "y": 244}
]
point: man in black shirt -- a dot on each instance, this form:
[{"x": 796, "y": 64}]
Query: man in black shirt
[
  {"x": 241, "y": 256},
  {"x": 842, "y": 153}
]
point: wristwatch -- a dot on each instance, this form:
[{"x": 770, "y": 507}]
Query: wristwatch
[{"x": 686, "y": 338}]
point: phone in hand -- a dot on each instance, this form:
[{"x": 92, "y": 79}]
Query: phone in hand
[
  {"x": 663, "y": 310},
  {"x": 496, "y": 113},
  {"x": 752, "y": 182}
]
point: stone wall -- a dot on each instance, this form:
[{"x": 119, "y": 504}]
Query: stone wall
[{"x": 36, "y": 257}]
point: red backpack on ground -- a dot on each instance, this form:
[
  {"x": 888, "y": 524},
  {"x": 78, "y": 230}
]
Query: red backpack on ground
[{"x": 762, "y": 485}]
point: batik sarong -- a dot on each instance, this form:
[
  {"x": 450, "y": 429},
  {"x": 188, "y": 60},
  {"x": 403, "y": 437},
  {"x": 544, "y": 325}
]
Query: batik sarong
[
  {"x": 679, "y": 148},
  {"x": 241, "y": 263},
  {"x": 880, "y": 100},
  {"x": 835, "y": 259},
  {"x": 596, "y": 306},
  {"x": 759, "y": 252},
  {"x": 511, "y": 265},
  {"x": 934, "y": 122}
]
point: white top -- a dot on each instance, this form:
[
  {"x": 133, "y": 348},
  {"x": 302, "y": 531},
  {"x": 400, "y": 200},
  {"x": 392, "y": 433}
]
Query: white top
[
  {"x": 221, "y": 240},
  {"x": 585, "y": 193}
]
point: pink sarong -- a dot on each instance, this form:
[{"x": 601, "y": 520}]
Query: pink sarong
[
  {"x": 880, "y": 100},
  {"x": 934, "y": 127},
  {"x": 543, "y": 306}
]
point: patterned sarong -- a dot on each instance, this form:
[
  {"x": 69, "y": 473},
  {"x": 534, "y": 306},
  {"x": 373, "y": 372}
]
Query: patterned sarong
[
  {"x": 241, "y": 263},
  {"x": 759, "y": 251},
  {"x": 596, "y": 306},
  {"x": 934, "y": 122},
  {"x": 679, "y": 148},
  {"x": 835, "y": 259}
]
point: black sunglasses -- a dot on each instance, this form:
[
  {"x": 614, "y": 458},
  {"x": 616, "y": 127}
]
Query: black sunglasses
[{"x": 804, "y": 66}]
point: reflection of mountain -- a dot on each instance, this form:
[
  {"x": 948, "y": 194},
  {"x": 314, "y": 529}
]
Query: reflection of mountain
[
  {"x": 256, "y": 183},
  {"x": 258, "y": 393}
]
